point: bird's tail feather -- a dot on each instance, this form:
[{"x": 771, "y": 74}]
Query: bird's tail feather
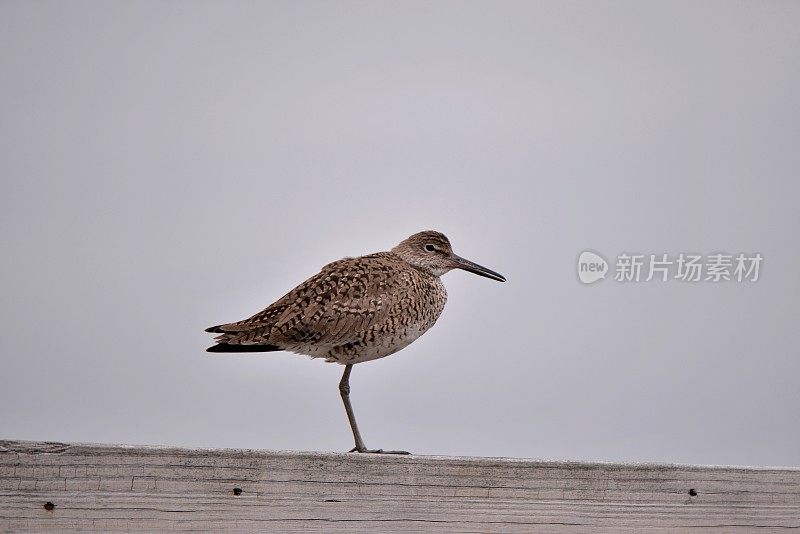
[{"x": 227, "y": 347}]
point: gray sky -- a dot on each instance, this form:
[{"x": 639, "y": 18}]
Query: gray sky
[{"x": 168, "y": 166}]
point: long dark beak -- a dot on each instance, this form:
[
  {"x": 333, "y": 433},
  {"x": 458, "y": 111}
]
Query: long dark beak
[{"x": 480, "y": 270}]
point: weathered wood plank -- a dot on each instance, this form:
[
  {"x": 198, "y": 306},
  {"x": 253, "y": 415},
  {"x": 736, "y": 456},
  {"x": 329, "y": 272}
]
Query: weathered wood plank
[{"x": 113, "y": 488}]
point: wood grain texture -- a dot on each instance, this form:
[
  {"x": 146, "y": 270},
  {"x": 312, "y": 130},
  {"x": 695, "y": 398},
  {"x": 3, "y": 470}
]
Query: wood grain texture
[{"x": 114, "y": 488}]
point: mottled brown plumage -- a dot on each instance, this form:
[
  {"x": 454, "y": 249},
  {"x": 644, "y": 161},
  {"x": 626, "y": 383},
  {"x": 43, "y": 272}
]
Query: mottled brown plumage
[{"x": 355, "y": 309}]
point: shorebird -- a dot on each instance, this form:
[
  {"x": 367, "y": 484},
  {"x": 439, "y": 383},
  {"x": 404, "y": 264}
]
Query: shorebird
[{"x": 356, "y": 310}]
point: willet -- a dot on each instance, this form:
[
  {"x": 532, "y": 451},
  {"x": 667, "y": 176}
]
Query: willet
[{"x": 356, "y": 310}]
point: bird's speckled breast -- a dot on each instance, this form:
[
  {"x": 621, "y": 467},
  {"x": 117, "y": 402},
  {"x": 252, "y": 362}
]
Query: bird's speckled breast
[{"x": 417, "y": 303}]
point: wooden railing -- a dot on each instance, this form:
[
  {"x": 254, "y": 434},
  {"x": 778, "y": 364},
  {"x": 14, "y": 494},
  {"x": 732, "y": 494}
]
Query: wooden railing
[{"x": 54, "y": 486}]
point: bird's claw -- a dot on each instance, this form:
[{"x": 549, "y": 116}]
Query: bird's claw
[{"x": 376, "y": 451}]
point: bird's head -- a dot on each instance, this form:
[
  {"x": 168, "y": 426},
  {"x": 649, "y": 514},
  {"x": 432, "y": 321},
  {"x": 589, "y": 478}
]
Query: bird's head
[{"x": 431, "y": 251}]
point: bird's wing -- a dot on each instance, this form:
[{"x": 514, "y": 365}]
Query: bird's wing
[{"x": 334, "y": 307}]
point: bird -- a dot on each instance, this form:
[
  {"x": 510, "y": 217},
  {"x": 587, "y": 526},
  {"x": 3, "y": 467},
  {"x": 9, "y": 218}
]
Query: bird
[{"x": 356, "y": 310}]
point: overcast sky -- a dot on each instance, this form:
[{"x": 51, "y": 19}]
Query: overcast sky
[{"x": 167, "y": 166}]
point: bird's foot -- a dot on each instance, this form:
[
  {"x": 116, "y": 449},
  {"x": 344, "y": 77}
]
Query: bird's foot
[{"x": 376, "y": 451}]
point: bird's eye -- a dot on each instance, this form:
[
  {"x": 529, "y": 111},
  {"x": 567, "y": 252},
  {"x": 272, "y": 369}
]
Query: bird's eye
[{"x": 430, "y": 248}]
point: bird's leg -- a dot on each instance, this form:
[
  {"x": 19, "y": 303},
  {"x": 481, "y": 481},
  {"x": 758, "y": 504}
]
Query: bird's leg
[{"x": 344, "y": 389}]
